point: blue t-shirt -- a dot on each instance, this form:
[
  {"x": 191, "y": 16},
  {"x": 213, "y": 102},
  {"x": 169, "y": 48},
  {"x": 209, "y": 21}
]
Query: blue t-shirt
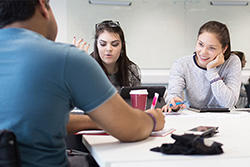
[{"x": 40, "y": 82}]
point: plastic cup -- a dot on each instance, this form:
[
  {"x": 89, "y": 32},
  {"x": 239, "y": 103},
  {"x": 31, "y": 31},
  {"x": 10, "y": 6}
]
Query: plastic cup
[{"x": 139, "y": 98}]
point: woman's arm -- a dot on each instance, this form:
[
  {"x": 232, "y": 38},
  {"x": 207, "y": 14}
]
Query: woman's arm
[
  {"x": 176, "y": 82},
  {"x": 226, "y": 90}
]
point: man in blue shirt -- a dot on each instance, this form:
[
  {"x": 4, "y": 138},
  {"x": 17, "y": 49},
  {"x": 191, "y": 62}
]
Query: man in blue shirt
[{"x": 41, "y": 81}]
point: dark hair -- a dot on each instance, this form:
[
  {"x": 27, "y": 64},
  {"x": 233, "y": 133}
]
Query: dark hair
[
  {"x": 17, "y": 10},
  {"x": 123, "y": 61},
  {"x": 240, "y": 55},
  {"x": 221, "y": 32}
]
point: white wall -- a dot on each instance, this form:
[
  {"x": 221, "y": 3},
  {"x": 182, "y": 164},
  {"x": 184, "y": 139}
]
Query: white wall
[
  {"x": 157, "y": 31},
  {"x": 60, "y": 10},
  {"x": 161, "y": 76}
]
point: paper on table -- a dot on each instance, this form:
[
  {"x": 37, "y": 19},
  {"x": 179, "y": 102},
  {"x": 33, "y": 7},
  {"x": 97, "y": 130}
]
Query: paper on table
[
  {"x": 172, "y": 113},
  {"x": 241, "y": 109},
  {"x": 92, "y": 132},
  {"x": 163, "y": 132},
  {"x": 160, "y": 133}
]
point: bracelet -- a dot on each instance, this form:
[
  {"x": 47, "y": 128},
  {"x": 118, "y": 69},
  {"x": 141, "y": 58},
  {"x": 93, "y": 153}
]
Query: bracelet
[
  {"x": 154, "y": 120},
  {"x": 214, "y": 80}
]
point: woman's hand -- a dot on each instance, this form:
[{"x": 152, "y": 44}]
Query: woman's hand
[
  {"x": 216, "y": 62},
  {"x": 171, "y": 106},
  {"x": 81, "y": 44}
]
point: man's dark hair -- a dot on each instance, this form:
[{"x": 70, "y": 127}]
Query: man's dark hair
[{"x": 17, "y": 10}]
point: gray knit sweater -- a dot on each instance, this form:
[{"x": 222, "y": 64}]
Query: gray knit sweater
[{"x": 187, "y": 76}]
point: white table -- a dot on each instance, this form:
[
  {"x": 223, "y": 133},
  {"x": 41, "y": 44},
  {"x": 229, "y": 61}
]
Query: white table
[{"x": 234, "y": 134}]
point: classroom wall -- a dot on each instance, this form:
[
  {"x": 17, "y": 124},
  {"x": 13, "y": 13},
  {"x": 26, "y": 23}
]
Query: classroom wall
[
  {"x": 157, "y": 32},
  {"x": 60, "y": 11}
]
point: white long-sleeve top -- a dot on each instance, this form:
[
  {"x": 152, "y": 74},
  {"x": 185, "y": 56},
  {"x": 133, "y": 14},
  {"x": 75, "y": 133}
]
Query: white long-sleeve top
[{"x": 187, "y": 76}]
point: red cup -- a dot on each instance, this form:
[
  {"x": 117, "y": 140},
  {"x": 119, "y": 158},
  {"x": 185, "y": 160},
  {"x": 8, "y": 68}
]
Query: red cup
[{"x": 139, "y": 98}]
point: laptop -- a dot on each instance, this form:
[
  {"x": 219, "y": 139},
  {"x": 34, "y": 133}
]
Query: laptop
[{"x": 124, "y": 92}]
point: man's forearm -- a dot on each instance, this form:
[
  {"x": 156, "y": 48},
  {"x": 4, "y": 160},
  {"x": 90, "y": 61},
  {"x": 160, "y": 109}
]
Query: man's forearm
[{"x": 78, "y": 122}]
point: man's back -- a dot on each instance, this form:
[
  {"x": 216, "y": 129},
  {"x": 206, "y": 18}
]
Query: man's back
[{"x": 38, "y": 87}]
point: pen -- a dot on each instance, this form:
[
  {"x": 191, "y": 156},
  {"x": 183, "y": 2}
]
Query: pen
[
  {"x": 154, "y": 101},
  {"x": 177, "y": 103}
]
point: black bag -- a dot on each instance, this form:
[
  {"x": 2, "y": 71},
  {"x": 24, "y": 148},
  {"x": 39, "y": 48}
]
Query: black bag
[{"x": 9, "y": 155}]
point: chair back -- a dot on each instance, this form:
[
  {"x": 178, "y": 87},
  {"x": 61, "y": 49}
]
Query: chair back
[
  {"x": 9, "y": 154},
  {"x": 247, "y": 87}
]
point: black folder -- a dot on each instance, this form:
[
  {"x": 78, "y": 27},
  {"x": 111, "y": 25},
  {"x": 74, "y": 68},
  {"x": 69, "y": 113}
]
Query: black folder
[{"x": 201, "y": 110}]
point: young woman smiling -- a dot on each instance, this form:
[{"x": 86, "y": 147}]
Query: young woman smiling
[{"x": 209, "y": 78}]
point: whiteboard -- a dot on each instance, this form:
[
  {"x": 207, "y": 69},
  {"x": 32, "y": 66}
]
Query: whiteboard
[{"x": 157, "y": 32}]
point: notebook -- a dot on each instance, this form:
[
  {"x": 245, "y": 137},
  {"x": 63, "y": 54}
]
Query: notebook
[
  {"x": 209, "y": 109},
  {"x": 124, "y": 92},
  {"x": 161, "y": 133}
]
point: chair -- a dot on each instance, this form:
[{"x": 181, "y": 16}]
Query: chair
[
  {"x": 247, "y": 87},
  {"x": 9, "y": 154}
]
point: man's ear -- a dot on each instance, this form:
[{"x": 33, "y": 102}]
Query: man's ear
[{"x": 43, "y": 7}]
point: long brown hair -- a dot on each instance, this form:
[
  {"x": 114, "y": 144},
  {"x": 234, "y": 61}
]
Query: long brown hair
[
  {"x": 241, "y": 55},
  {"x": 123, "y": 62},
  {"x": 221, "y": 32}
]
